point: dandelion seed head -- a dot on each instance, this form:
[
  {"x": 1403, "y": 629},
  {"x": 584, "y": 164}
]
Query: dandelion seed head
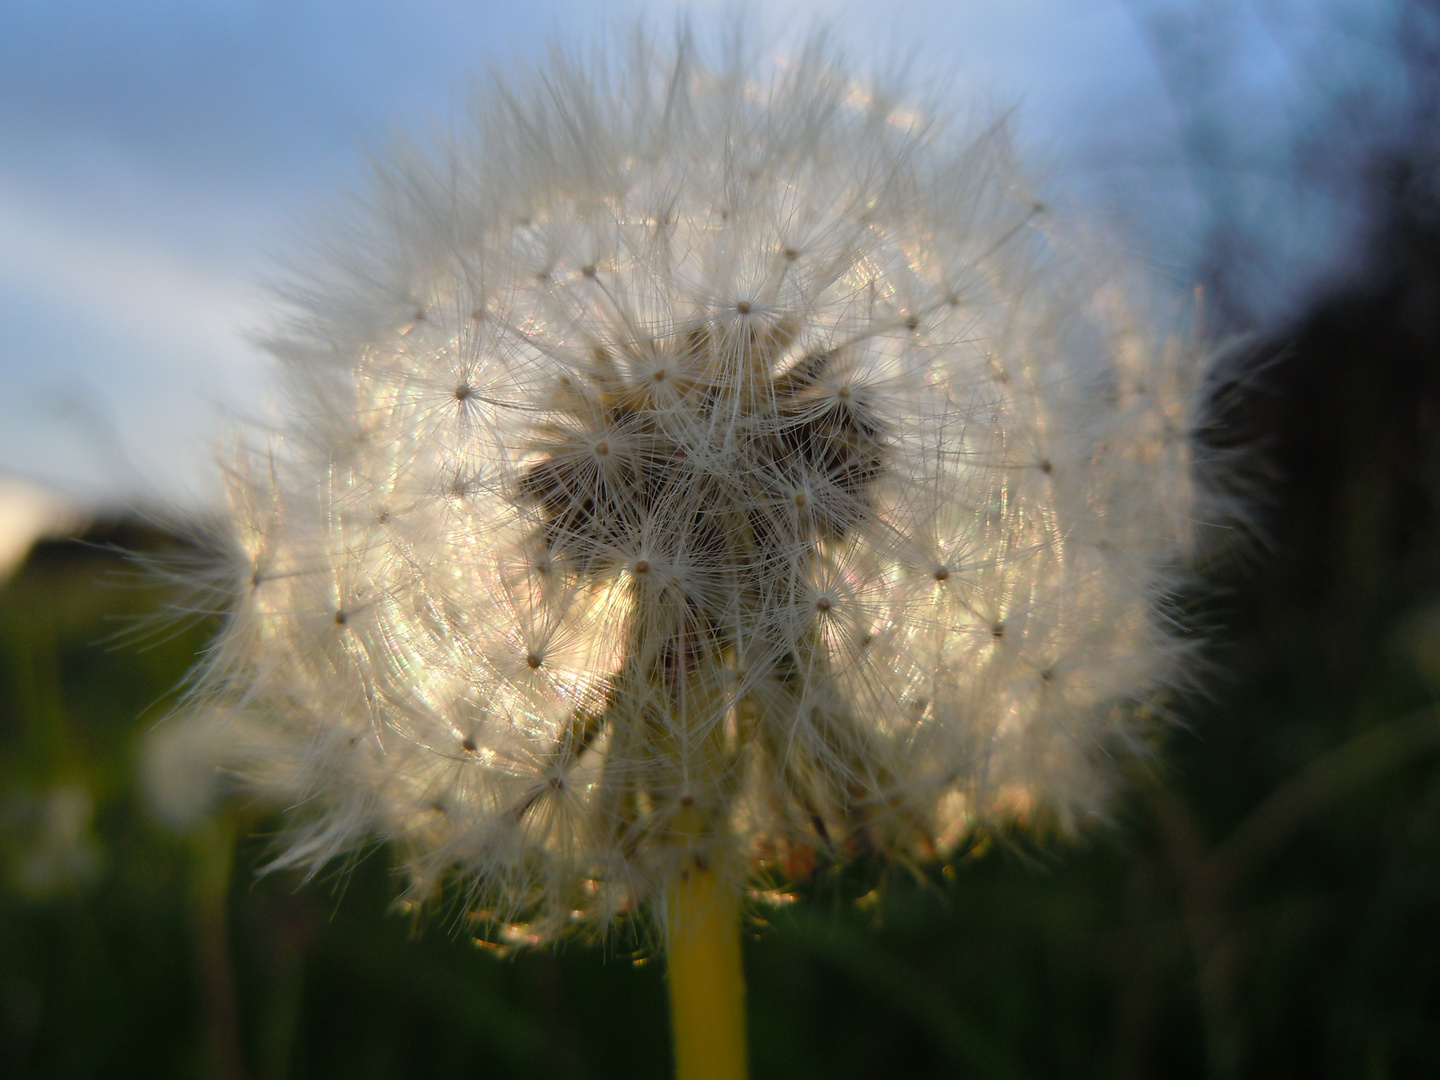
[{"x": 699, "y": 462}]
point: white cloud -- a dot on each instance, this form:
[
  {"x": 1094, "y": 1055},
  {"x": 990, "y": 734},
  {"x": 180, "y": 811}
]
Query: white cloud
[{"x": 111, "y": 327}]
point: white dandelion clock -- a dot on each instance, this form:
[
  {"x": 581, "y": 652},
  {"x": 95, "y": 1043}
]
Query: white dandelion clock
[{"x": 697, "y": 465}]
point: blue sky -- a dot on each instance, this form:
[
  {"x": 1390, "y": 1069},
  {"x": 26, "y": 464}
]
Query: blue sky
[{"x": 155, "y": 156}]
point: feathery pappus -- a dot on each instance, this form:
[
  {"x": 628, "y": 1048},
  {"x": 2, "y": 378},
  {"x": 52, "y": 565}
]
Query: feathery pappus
[{"x": 698, "y": 461}]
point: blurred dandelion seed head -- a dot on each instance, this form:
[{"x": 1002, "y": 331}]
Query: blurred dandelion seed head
[{"x": 698, "y": 461}]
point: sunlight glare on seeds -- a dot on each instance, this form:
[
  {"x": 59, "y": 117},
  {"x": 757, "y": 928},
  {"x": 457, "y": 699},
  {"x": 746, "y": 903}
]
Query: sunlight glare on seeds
[{"x": 714, "y": 528}]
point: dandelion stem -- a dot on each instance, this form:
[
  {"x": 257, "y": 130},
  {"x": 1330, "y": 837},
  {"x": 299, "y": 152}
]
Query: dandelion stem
[{"x": 707, "y": 986}]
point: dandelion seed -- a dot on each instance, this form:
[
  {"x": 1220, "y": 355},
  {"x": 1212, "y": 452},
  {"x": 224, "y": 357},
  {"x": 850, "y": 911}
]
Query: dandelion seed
[{"x": 762, "y": 509}]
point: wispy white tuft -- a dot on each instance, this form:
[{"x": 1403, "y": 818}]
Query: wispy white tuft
[{"x": 699, "y": 461}]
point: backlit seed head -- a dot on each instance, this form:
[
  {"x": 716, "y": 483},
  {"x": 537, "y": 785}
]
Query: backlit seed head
[{"x": 670, "y": 580}]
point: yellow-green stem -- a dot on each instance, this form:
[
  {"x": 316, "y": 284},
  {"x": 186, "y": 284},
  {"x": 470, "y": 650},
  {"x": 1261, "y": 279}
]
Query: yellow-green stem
[{"x": 707, "y": 985}]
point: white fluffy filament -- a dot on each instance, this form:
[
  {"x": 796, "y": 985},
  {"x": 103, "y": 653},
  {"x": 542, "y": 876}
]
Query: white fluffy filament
[{"x": 698, "y": 463}]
